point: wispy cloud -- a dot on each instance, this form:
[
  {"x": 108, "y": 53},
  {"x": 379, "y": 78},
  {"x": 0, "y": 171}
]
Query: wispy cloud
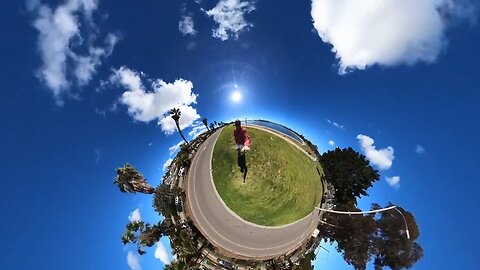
[
  {"x": 388, "y": 32},
  {"x": 230, "y": 17},
  {"x": 167, "y": 163},
  {"x": 420, "y": 150},
  {"x": 186, "y": 26},
  {"x": 60, "y": 41},
  {"x": 332, "y": 143},
  {"x": 191, "y": 46},
  {"x": 98, "y": 155},
  {"x": 197, "y": 129},
  {"x": 382, "y": 158},
  {"x": 132, "y": 261},
  {"x": 135, "y": 216},
  {"x": 175, "y": 148},
  {"x": 335, "y": 124},
  {"x": 162, "y": 254},
  {"x": 393, "y": 181},
  {"x": 146, "y": 106}
]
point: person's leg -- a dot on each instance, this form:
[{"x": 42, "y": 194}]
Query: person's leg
[
  {"x": 245, "y": 172},
  {"x": 240, "y": 159}
]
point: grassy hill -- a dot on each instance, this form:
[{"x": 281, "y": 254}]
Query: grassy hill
[{"x": 282, "y": 183}]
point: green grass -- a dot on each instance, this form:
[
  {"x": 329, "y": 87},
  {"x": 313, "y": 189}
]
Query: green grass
[{"x": 282, "y": 184}]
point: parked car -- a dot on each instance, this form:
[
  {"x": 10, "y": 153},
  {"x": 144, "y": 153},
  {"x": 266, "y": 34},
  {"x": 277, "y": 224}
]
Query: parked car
[
  {"x": 226, "y": 265},
  {"x": 178, "y": 204}
]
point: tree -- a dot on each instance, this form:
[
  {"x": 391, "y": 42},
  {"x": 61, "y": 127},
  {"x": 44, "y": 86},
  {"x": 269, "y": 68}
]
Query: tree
[
  {"x": 391, "y": 246},
  {"x": 175, "y": 265},
  {"x": 175, "y": 114},
  {"x": 205, "y": 122},
  {"x": 212, "y": 126},
  {"x": 361, "y": 238},
  {"x": 305, "y": 262},
  {"x": 163, "y": 201},
  {"x": 353, "y": 234},
  {"x": 144, "y": 234},
  {"x": 129, "y": 180},
  {"x": 349, "y": 172}
]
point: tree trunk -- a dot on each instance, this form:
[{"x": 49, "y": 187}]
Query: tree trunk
[{"x": 181, "y": 134}]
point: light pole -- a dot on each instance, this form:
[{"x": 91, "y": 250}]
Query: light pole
[
  {"x": 405, "y": 221},
  {"x": 370, "y": 212}
]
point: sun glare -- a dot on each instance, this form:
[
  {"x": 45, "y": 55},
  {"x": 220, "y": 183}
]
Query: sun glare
[{"x": 236, "y": 96}]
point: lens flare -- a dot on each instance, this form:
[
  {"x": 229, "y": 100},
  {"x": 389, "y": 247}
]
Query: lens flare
[{"x": 236, "y": 96}]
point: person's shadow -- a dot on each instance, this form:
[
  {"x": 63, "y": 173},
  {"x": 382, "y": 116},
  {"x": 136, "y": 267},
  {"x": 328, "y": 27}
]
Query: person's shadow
[{"x": 242, "y": 163}]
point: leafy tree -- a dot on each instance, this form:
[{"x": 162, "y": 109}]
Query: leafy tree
[
  {"x": 175, "y": 114},
  {"x": 163, "y": 201},
  {"x": 129, "y": 180},
  {"x": 391, "y": 246},
  {"x": 144, "y": 234},
  {"x": 205, "y": 122},
  {"x": 353, "y": 234},
  {"x": 361, "y": 238},
  {"x": 349, "y": 172},
  {"x": 212, "y": 126},
  {"x": 175, "y": 265},
  {"x": 305, "y": 262},
  {"x": 183, "y": 157}
]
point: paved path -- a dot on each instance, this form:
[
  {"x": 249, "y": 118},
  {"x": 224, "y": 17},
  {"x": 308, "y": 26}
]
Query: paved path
[{"x": 227, "y": 231}]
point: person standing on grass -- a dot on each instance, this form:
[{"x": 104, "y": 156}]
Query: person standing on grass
[
  {"x": 242, "y": 141},
  {"x": 241, "y": 138}
]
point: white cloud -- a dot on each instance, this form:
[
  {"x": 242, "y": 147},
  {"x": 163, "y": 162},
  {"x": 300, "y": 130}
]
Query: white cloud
[
  {"x": 167, "y": 163},
  {"x": 332, "y": 143},
  {"x": 384, "y": 32},
  {"x": 60, "y": 36},
  {"x": 151, "y": 105},
  {"x": 419, "y": 150},
  {"x": 393, "y": 181},
  {"x": 382, "y": 158},
  {"x": 335, "y": 124},
  {"x": 162, "y": 254},
  {"x": 175, "y": 147},
  {"x": 197, "y": 128},
  {"x": 86, "y": 66},
  {"x": 135, "y": 216},
  {"x": 338, "y": 125},
  {"x": 186, "y": 26},
  {"x": 229, "y": 15},
  {"x": 133, "y": 261}
]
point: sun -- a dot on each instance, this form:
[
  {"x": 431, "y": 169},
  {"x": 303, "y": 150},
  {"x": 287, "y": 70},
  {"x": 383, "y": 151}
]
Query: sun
[{"x": 236, "y": 96}]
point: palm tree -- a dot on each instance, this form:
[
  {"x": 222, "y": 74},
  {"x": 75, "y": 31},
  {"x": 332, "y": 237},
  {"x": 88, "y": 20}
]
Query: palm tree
[
  {"x": 205, "y": 122},
  {"x": 129, "y": 180},
  {"x": 144, "y": 234},
  {"x": 175, "y": 114},
  {"x": 175, "y": 265}
]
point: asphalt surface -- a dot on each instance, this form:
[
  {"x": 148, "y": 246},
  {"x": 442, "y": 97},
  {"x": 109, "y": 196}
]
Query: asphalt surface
[{"x": 228, "y": 232}]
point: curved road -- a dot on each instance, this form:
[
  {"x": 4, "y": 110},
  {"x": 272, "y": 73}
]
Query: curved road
[{"x": 227, "y": 231}]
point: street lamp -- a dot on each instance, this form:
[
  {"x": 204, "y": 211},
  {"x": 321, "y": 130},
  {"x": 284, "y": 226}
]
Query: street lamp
[
  {"x": 405, "y": 221},
  {"x": 369, "y": 212}
]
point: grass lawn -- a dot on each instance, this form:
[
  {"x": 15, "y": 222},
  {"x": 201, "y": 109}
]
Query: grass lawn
[{"x": 282, "y": 183}]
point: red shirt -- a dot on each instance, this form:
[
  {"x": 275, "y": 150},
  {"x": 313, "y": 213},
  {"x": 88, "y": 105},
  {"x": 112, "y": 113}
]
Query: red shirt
[{"x": 241, "y": 136}]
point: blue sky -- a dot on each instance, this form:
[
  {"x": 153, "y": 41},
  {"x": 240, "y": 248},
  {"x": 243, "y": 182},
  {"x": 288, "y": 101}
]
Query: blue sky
[{"x": 85, "y": 83}]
